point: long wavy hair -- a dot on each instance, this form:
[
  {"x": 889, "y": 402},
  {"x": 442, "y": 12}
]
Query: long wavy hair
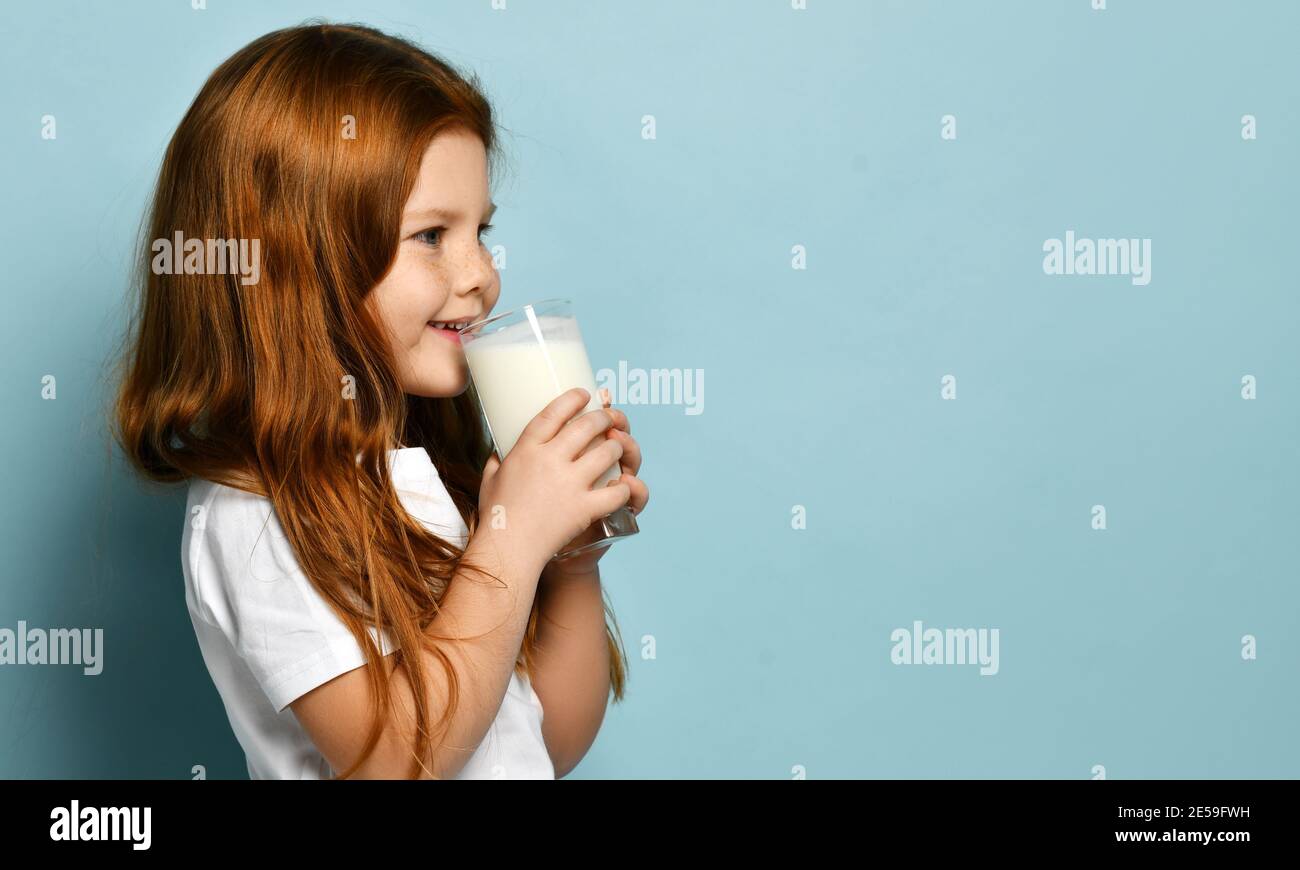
[{"x": 243, "y": 385}]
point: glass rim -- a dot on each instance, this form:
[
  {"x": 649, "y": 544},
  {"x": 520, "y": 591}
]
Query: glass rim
[{"x": 479, "y": 324}]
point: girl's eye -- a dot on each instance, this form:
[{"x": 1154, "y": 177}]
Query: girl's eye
[{"x": 431, "y": 235}]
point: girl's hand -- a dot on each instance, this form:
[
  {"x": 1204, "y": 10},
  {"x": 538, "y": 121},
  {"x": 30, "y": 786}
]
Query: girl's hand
[
  {"x": 630, "y": 464},
  {"x": 541, "y": 496}
]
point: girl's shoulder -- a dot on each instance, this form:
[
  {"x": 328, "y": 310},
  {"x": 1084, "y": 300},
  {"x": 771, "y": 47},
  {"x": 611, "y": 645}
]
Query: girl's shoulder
[
  {"x": 238, "y": 531},
  {"x": 243, "y": 579},
  {"x": 217, "y": 509},
  {"x": 225, "y": 511},
  {"x": 233, "y": 537}
]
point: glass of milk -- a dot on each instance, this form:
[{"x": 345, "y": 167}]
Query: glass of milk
[{"x": 521, "y": 360}]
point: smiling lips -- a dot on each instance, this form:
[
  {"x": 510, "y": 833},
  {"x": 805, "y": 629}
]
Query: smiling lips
[{"x": 449, "y": 329}]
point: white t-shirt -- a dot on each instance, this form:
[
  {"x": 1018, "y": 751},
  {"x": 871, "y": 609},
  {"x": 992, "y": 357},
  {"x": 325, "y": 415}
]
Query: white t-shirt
[{"x": 268, "y": 637}]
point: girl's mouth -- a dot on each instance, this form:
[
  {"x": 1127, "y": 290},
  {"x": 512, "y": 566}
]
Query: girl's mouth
[{"x": 449, "y": 331}]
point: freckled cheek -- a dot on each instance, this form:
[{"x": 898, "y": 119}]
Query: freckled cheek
[
  {"x": 494, "y": 291},
  {"x": 408, "y": 324},
  {"x": 421, "y": 299}
]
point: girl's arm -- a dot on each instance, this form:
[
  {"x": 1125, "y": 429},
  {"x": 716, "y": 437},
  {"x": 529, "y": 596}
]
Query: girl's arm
[
  {"x": 544, "y": 489},
  {"x": 571, "y": 675},
  {"x": 490, "y": 618}
]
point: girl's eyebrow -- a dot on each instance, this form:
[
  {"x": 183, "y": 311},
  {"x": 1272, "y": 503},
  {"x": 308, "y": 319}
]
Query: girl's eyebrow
[{"x": 446, "y": 214}]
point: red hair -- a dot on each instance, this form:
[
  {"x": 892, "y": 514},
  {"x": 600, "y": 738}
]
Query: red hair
[{"x": 243, "y": 384}]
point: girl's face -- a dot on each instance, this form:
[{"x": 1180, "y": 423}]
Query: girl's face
[{"x": 443, "y": 273}]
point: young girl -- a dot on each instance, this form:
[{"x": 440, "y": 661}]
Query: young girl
[{"x": 356, "y": 617}]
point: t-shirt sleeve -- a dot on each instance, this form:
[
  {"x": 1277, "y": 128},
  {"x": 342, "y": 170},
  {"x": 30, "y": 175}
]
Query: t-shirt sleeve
[{"x": 250, "y": 585}]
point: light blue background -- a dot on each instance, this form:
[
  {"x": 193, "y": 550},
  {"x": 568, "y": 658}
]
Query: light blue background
[{"x": 775, "y": 128}]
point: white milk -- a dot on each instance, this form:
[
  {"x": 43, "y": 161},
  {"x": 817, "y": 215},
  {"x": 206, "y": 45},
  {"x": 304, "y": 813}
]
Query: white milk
[{"x": 517, "y": 375}]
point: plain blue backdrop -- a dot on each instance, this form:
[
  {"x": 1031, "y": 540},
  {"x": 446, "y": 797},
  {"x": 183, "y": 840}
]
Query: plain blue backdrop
[{"x": 775, "y": 128}]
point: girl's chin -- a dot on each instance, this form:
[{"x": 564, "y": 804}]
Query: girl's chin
[
  {"x": 444, "y": 379},
  {"x": 435, "y": 391}
]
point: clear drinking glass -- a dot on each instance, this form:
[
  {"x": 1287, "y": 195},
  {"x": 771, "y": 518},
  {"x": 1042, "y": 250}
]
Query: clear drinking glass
[{"x": 519, "y": 362}]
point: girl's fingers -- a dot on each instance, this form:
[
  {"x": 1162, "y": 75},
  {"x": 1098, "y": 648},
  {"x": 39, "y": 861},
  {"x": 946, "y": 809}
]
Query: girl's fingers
[
  {"x": 551, "y": 419},
  {"x": 595, "y": 462},
  {"x": 620, "y": 420},
  {"x": 604, "y": 397},
  {"x": 621, "y": 431},
  {"x": 584, "y": 431},
  {"x": 609, "y": 498},
  {"x": 631, "y": 460},
  {"x": 640, "y": 492}
]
